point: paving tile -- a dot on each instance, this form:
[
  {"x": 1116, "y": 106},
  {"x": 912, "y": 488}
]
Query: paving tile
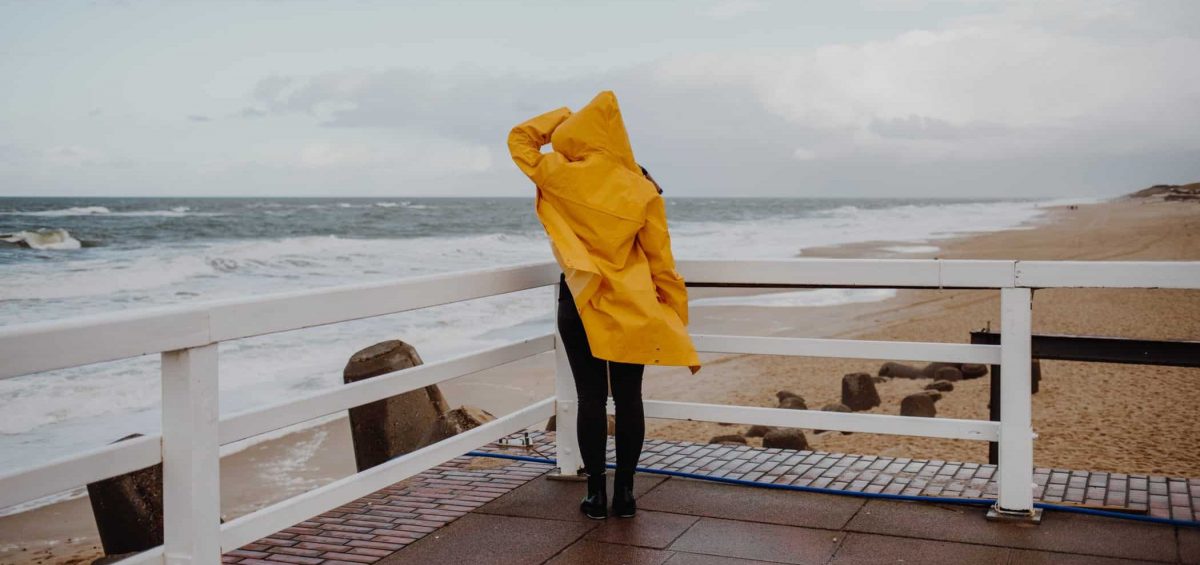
[
  {"x": 1189, "y": 545},
  {"x": 701, "y": 498},
  {"x": 765, "y": 542},
  {"x": 682, "y": 558},
  {"x": 505, "y": 540},
  {"x": 1030, "y": 557},
  {"x": 871, "y": 548},
  {"x": 1059, "y": 531},
  {"x": 558, "y": 500},
  {"x": 588, "y": 552},
  {"x": 646, "y": 529}
]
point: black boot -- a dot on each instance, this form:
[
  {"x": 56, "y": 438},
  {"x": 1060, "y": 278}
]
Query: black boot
[
  {"x": 595, "y": 504},
  {"x": 623, "y": 504}
]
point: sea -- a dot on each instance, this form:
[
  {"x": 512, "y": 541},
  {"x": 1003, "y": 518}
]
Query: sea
[{"x": 67, "y": 257}]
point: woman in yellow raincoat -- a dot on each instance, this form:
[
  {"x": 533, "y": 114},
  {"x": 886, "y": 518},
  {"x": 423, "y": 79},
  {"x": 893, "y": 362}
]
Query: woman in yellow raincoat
[{"x": 622, "y": 305}]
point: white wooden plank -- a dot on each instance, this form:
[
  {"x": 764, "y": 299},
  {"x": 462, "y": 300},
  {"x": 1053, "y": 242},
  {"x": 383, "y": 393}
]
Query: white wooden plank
[
  {"x": 292, "y": 311},
  {"x": 815, "y": 419},
  {"x": 567, "y": 454},
  {"x": 848, "y": 348},
  {"x": 1015, "y": 473},
  {"x": 969, "y": 273},
  {"x": 271, "y": 519},
  {"x": 151, "y": 556},
  {"x": 191, "y": 457},
  {"x": 261, "y": 420},
  {"x": 1109, "y": 274},
  {"x": 885, "y": 273},
  {"x": 45, "y": 346},
  {"x": 77, "y": 470}
]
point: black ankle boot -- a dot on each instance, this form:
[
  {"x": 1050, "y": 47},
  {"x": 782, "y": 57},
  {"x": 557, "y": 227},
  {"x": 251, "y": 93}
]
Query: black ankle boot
[
  {"x": 595, "y": 504},
  {"x": 623, "y": 504}
]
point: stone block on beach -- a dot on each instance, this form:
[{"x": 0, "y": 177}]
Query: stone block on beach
[
  {"x": 858, "y": 392},
  {"x": 785, "y": 438},
  {"x": 789, "y": 399},
  {"x": 128, "y": 509},
  {"x": 943, "y": 386},
  {"x": 457, "y": 421},
  {"x": 731, "y": 438},
  {"x": 758, "y": 431},
  {"x": 396, "y": 425},
  {"x": 899, "y": 371},
  {"x": 834, "y": 407},
  {"x": 919, "y": 404}
]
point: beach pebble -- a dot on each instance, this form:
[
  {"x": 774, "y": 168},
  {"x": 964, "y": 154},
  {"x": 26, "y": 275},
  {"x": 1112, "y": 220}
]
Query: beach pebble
[
  {"x": 943, "y": 386},
  {"x": 899, "y": 371},
  {"x": 785, "y": 438},
  {"x": 731, "y": 438},
  {"x": 858, "y": 392},
  {"x": 920, "y": 404}
]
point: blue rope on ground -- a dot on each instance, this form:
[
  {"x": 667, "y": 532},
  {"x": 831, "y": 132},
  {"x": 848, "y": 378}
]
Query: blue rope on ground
[{"x": 874, "y": 495}]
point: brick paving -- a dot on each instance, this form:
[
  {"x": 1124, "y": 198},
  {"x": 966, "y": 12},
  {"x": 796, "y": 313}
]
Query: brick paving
[{"x": 376, "y": 526}]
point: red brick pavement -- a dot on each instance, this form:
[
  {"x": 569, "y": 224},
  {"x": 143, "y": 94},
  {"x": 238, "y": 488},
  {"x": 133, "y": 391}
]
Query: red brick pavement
[{"x": 375, "y": 526}]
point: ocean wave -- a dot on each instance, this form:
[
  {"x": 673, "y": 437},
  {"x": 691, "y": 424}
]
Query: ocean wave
[
  {"x": 53, "y": 239},
  {"x": 177, "y": 211}
]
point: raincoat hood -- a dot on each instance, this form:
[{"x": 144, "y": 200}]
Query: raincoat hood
[{"x": 595, "y": 130}]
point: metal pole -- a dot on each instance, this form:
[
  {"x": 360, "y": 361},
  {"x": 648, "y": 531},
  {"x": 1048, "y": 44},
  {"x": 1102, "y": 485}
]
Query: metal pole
[
  {"x": 1016, "y": 427},
  {"x": 566, "y": 406},
  {"x": 191, "y": 457}
]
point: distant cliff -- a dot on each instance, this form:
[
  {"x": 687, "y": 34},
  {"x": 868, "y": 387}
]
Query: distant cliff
[{"x": 1170, "y": 192}]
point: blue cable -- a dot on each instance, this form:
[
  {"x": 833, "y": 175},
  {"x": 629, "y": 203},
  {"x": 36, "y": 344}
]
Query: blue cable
[{"x": 875, "y": 495}]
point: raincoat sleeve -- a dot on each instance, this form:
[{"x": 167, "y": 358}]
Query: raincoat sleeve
[
  {"x": 656, "y": 243},
  {"x": 525, "y": 143}
]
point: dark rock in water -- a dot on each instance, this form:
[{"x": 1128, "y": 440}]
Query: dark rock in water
[
  {"x": 785, "y": 438},
  {"x": 947, "y": 374},
  {"x": 858, "y": 392},
  {"x": 835, "y": 407},
  {"x": 457, "y": 421},
  {"x": 920, "y": 404},
  {"x": 758, "y": 431},
  {"x": 396, "y": 425},
  {"x": 732, "y": 438},
  {"x": 973, "y": 370},
  {"x": 899, "y": 371},
  {"x": 128, "y": 509},
  {"x": 943, "y": 386}
]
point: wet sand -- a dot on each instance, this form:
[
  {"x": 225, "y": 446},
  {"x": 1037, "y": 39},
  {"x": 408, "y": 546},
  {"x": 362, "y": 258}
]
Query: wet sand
[{"x": 1089, "y": 416}]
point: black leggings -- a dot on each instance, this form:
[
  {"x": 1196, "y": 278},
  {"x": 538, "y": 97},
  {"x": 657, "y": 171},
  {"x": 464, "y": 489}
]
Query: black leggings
[{"x": 591, "y": 383}]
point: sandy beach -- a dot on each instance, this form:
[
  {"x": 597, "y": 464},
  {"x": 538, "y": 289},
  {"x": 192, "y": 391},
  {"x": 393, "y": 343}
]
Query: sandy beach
[{"x": 1089, "y": 416}]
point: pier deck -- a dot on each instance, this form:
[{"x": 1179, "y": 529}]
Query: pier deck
[{"x": 484, "y": 510}]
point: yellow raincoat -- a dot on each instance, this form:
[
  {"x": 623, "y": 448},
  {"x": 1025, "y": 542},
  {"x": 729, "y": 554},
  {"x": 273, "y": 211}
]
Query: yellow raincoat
[{"x": 607, "y": 226}]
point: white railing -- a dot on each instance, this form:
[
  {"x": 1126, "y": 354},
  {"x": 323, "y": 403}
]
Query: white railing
[{"x": 192, "y": 431}]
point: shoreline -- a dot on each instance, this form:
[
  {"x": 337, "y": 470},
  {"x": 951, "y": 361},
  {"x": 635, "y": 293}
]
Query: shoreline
[{"x": 309, "y": 457}]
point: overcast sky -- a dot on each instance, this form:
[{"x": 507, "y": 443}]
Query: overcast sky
[{"x": 727, "y": 98}]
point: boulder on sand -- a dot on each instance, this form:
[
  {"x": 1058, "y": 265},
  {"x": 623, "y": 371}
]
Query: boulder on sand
[
  {"x": 899, "y": 371},
  {"x": 858, "y": 392},
  {"x": 732, "y": 438},
  {"x": 942, "y": 386},
  {"x": 758, "y": 430},
  {"x": 785, "y": 438},
  {"x": 457, "y": 421},
  {"x": 973, "y": 370},
  {"x": 789, "y": 399},
  {"x": 919, "y": 404}
]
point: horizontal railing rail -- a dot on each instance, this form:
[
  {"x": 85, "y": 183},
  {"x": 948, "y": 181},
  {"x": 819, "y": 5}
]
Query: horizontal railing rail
[{"x": 186, "y": 337}]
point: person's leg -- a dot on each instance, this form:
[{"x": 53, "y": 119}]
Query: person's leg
[
  {"x": 591, "y": 384},
  {"x": 631, "y": 418}
]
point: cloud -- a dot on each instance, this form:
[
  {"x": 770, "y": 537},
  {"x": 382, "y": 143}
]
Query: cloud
[
  {"x": 729, "y": 9},
  {"x": 199, "y": 118}
]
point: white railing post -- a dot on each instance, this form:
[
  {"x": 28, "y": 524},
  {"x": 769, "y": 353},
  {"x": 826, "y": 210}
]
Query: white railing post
[
  {"x": 191, "y": 459},
  {"x": 1016, "y": 411},
  {"x": 566, "y": 406}
]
